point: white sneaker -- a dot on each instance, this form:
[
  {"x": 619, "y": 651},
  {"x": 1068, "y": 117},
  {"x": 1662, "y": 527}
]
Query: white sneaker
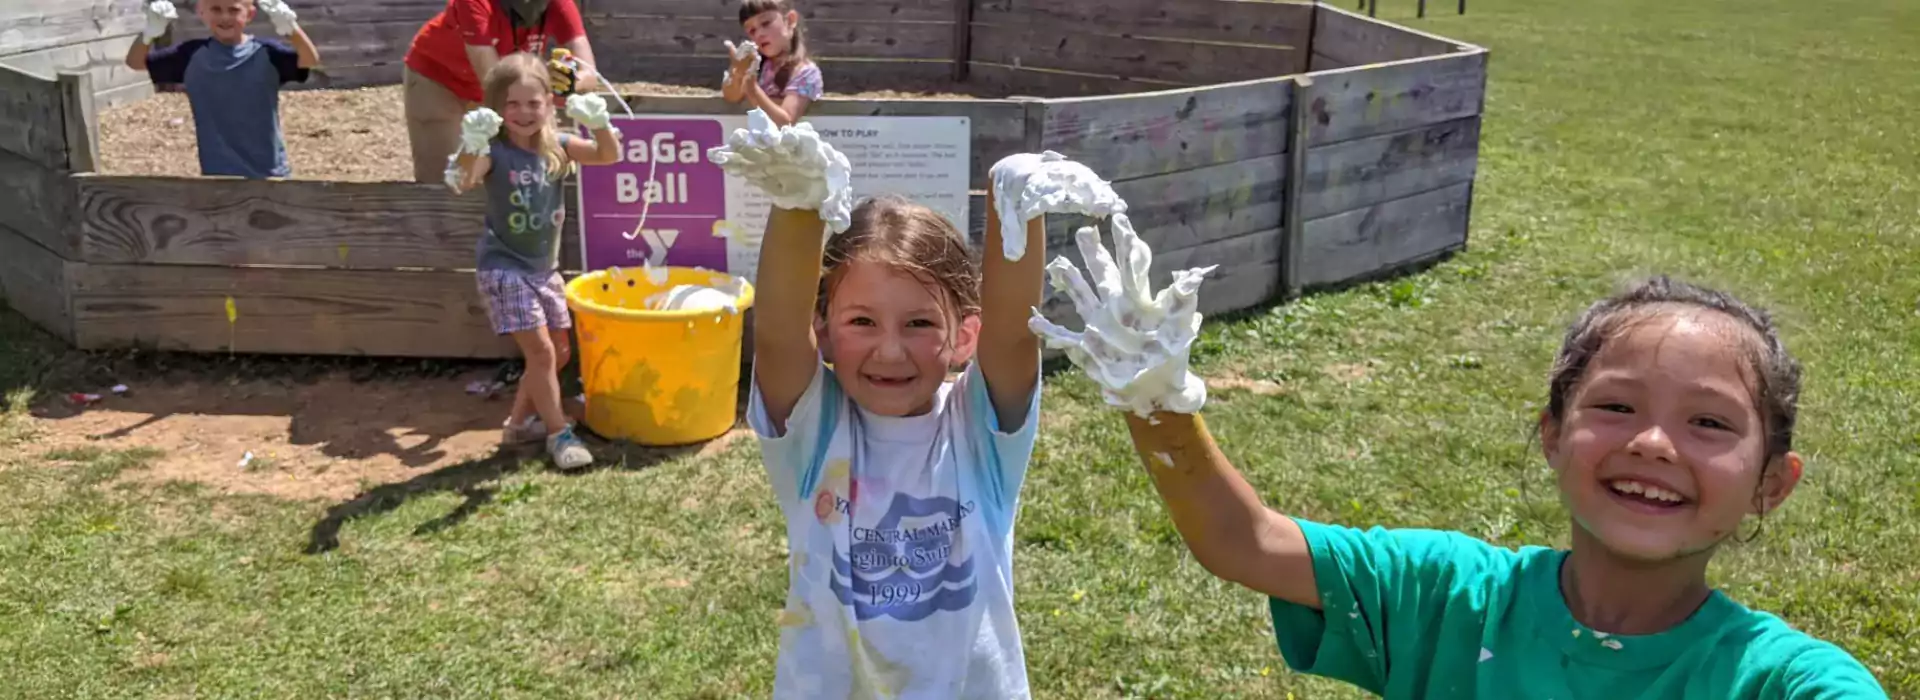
[{"x": 567, "y": 450}]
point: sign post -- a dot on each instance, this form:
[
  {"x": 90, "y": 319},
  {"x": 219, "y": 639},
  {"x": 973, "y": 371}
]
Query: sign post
[{"x": 695, "y": 215}]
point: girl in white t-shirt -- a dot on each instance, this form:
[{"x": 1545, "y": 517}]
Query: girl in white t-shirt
[{"x": 896, "y": 393}]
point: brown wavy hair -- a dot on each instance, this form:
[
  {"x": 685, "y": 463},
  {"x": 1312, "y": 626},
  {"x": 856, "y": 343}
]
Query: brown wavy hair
[
  {"x": 796, "y": 50},
  {"x": 912, "y": 238}
]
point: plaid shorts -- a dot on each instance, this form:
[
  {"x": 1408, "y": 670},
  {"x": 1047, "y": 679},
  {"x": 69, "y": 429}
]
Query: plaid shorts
[{"x": 520, "y": 301}]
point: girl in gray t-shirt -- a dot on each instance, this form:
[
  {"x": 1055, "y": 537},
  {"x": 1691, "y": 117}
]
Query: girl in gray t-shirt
[{"x": 513, "y": 147}]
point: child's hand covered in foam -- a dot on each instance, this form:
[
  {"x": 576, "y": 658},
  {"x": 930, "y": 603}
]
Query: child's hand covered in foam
[
  {"x": 160, "y": 16},
  {"x": 742, "y": 60},
  {"x": 477, "y": 129},
  {"x": 1134, "y": 346},
  {"x": 589, "y": 111},
  {"x": 284, "y": 19},
  {"x": 1027, "y": 185},
  {"x": 797, "y": 169}
]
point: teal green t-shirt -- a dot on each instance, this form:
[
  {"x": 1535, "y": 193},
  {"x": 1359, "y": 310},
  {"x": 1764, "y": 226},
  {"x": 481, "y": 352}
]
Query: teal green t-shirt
[{"x": 1427, "y": 614}]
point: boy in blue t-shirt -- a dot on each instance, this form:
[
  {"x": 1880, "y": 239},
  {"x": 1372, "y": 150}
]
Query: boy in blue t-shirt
[{"x": 233, "y": 80}]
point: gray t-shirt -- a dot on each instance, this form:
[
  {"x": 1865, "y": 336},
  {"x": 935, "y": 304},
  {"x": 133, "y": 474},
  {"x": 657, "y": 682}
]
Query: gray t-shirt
[
  {"x": 235, "y": 93},
  {"x": 524, "y": 212}
]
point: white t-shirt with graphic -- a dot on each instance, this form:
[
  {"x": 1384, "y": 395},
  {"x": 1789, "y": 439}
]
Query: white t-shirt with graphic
[{"x": 900, "y": 545}]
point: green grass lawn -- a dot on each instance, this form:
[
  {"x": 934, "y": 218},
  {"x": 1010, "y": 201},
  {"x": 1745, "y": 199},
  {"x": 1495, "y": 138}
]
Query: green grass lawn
[{"x": 1770, "y": 146}]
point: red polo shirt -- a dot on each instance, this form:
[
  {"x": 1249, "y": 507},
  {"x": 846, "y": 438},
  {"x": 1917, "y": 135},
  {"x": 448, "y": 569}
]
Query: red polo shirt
[{"x": 439, "y": 51}]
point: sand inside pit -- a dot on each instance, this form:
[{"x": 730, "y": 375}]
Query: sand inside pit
[{"x": 356, "y": 135}]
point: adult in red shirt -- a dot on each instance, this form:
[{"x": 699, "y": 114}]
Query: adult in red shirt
[{"x": 454, "y": 51}]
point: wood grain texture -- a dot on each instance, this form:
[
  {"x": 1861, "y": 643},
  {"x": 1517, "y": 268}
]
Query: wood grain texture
[
  {"x": 1130, "y": 136},
  {"x": 233, "y": 221},
  {"x": 34, "y": 281},
  {"x": 1194, "y": 207},
  {"x": 1362, "y": 172},
  {"x": 1319, "y": 62},
  {"x": 31, "y": 119},
  {"x": 831, "y": 38},
  {"x": 998, "y": 127},
  {"x": 810, "y": 11},
  {"x": 1002, "y": 79},
  {"x": 79, "y": 122},
  {"x": 1358, "y": 40},
  {"x": 31, "y": 25},
  {"x": 1381, "y": 237},
  {"x": 1361, "y": 102},
  {"x": 841, "y": 74},
  {"x": 102, "y": 60},
  {"x": 1060, "y": 48},
  {"x": 38, "y": 202},
  {"x": 1295, "y": 188},
  {"x": 281, "y": 310},
  {"x": 1229, "y": 21}
]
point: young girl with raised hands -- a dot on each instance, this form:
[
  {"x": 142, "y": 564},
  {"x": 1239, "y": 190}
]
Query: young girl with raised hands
[
  {"x": 1669, "y": 421},
  {"x": 771, "y": 70},
  {"x": 899, "y": 482},
  {"x": 518, "y": 269}
]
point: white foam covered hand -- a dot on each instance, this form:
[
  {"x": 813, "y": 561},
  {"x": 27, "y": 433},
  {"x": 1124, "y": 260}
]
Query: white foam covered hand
[
  {"x": 793, "y": 165},
  {"x": 454, "y": 174},
  {"x": 284, "y": 19},
  {"x": 160, "y": 16},
  {"x": 742, "y": 59},
  {"x": 477, "y": 130},
  {"x": 1027, "y": 185},
  {"x": 1135, "y": 344},
  {"x": 589, "y": 111}
]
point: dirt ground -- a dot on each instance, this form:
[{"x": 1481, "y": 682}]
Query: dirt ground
[
  {"x": 329, "y": 437},
  {"x": 356, "y": 135}
]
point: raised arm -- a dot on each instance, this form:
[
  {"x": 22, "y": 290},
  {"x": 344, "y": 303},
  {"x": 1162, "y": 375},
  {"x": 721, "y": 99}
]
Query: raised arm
[
  {"x": 810, "y": 184},
  {"x": 286, "y": 23},
  {"x": 743, "y": 63},
  {"x": 303, "y": 45},
  {"x": 159, "y": 15},
  {"x": 1009, "y": 291},
  {"x": 591, "y": 111},
  {"x": 1221, "y": 518}
]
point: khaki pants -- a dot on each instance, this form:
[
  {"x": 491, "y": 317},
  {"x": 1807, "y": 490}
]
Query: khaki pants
[{"x": 433, "y": 125}]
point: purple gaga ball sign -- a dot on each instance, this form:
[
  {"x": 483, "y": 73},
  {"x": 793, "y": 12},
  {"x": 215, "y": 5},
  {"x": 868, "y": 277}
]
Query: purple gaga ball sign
[{"x": 697, "y": 216}]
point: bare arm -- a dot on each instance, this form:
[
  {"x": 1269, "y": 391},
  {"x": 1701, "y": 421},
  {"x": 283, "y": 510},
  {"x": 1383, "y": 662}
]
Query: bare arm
[
  {"x": 1228, "y": 529},
  {"x": 785, "y": 352},
  {"x": 303, "y": 45},
  {"x": 602, "y": 149},
  {"x": 137, "y": 54},
  {"x": 785, "y": 112},
  {"x": 482, "y": 58},
  {"x": 1009, "y": 353},
  {"x": 473, "y": 170}
]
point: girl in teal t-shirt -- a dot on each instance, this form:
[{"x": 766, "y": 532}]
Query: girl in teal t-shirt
[{"x": 1669, "y": 421}]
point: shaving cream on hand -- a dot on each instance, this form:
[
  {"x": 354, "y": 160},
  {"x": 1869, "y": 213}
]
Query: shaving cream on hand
[
  {"x": 1028, "y": 185},
  {"x": 793, "y": 165},
  {"x": 1134, "y": 346}
]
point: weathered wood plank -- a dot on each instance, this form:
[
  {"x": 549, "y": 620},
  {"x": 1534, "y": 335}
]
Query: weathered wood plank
[
  {"x": 1295, "y": 188},
  {"x": 31, "y": 25},
  {"x": 31, "y": 124},
  {"x": 1130, "y": 136},
  {"x": 998, "y": 127},
  {"x": 234, "y": 221},
  {"x": 1358, "y": 40},
  {"x": 79, "y": 122},
  {"x": 841, "y": 39},
  {"x": 344, "y": 76},
  {"x": 102, "y": 58},
  {"x": 280, "y": 310},
  {"x": 1234, "y": 21},
  {"x": 1361, "y": 102},
  {"x": 1060, "y": 48},
  {"x": 841, "y": 74},
  {"x": 34, "y": 281},
  {"x": 1320, "y": 62},
  {"x": 1000, "y": 79},
  {"x": 1352, "y": 174},
  {"x": 811, "y": 11},
  {"x": 1195, "y": 207},
  {"x": 38, "y": 202},
  {"x": 1374, "y": 239}
]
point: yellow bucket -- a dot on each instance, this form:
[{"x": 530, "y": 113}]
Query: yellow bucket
[{"x": 657, "y": 377}]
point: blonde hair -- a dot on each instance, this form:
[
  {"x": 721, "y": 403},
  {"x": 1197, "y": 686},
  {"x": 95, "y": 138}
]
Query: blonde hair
[{"x": 525, "y": 68}]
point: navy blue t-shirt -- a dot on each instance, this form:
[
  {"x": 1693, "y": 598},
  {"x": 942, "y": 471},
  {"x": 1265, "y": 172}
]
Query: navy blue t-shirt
[{"x": 235, "y": 93}]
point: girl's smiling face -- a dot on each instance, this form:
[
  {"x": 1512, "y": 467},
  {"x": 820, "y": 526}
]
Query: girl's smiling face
[
  {"x": 528, "y": 109},
  {"x": 891, "y": 340},
  {"x": 1661, "y": 453}
]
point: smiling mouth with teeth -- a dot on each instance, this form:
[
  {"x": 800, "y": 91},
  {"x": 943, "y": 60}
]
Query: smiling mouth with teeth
[{"x": 1645, "y": 492}]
